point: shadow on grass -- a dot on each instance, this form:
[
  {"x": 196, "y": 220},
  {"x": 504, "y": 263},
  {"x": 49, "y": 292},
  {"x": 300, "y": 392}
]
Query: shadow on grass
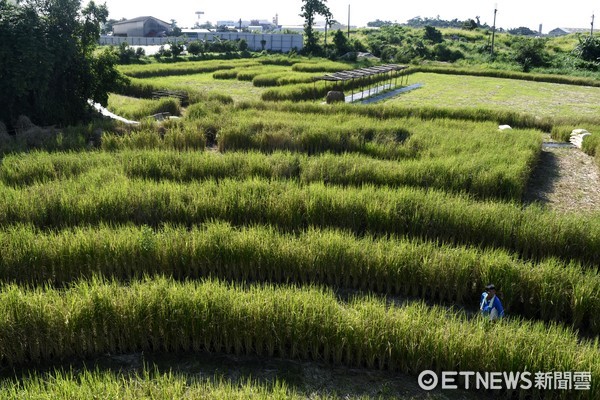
[
  {"x": 543, "y": 179},
  {"x": 305, "y": 378}
]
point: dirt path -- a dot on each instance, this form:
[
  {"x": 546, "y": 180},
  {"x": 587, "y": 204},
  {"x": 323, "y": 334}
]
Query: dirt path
[{"x": 565, "y": 180}]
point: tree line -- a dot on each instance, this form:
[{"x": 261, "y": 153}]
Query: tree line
[{"x": 49, "y": 64}]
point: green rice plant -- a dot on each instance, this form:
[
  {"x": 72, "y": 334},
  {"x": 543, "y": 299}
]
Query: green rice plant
[
  {"x": 277, "y": 60},
  {"x": 172, "y": 135},
  {"x": 133, "y": 108},
  {"x": 485, "y": 176},
  {"x": 248, "y": 74},
  {"x": 94, "y": 317},
  {"x": 109, "y": 197},
  {"x": 591, "y": 144},
  {"x": 138, "y": 88},
  {"x": 379, "y": 111},
  {"x": 226, "y": 74},
  {"x": 266, "y": 80},
  {"x": 89, "y": 384},
  {"x": 27, "y": 168},
  {"x": 385, "y": 138},
  {"x": 550, "y": 290},
  {"x": 293, "y": 78},
  {"x": 494, "y": 73},
  {"x": 186, "y": 68},
  {"x": 298, "y": 92},
  {"x": 219, "y": 97},
  {"x": 561, "y": 133},
  {"x": 282, "y": 79},
  {"x": 321, "y": 66},
  {"x": 318, "y": 90},
  {"x": 145, "y": 89}
]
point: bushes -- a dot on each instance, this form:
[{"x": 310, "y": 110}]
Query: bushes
[
  {"x": 529, "y": 53},
  {"x": 444, "y": 53},
  {"x": 588, "y": 48}
]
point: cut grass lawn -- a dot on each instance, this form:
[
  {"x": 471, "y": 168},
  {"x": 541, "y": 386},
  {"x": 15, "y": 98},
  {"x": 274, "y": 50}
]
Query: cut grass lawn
[{"x": 538, "y": 98}]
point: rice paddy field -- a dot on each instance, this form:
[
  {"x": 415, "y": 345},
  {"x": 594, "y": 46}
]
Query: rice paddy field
[
  {"x": 537, "y": 98},
  {"x": 347, "y": 237}
]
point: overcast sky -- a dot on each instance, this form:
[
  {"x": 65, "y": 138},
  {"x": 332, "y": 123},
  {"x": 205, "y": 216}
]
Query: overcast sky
[{"x": 511, "y": 13}]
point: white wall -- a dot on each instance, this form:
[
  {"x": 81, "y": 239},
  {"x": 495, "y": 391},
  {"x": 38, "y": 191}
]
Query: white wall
[{"x": 274, "y": 42}]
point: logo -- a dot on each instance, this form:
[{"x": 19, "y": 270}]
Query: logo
[{"x": 428, "y": 380}]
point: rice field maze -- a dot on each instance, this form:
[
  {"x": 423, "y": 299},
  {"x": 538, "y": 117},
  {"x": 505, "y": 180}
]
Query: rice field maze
[{"x": 351, "y": 243}]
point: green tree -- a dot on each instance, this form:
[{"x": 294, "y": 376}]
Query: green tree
[
  {"x": 433, "y": 35},
  {"x": 195, "y": 48},
  {"x": 342, "y": 46},
  {"x": 49, "y": 70},
  {"x": 310, "y": 9},
  {"x": 243, "y": 45},
  {"x": 175, "y": 30},
  {"x": 530, "y": 53},
  {"x": 176, "y": 49},
  {"x": 469, "y": 25},
  {"x": 378, "y": 23},
  {"x": 588, "y": 48},
  {"x": 522, "y": 31}
]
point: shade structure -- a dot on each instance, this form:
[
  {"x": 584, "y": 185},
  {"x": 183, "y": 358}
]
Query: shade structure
[
  {"x": 360, "y": 73},
  {"x": 363, "y": 77}
]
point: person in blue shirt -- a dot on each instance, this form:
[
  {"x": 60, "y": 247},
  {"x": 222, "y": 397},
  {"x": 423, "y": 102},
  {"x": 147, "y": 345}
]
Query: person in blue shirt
[{"x": 490, "y": 304}]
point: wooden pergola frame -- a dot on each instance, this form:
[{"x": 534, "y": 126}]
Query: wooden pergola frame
[{"x": 364, "y": 74}]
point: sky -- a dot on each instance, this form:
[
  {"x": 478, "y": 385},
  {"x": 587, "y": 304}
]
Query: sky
[{"x": 511, "y": 13}]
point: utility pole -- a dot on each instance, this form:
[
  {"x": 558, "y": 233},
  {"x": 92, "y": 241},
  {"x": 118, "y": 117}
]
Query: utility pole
[
  {"x": 592, "y": 29},
  {"x": 348, "y": 21},
  {"x": 326, "y": 23},
  {"x": 494, "y": 28}
]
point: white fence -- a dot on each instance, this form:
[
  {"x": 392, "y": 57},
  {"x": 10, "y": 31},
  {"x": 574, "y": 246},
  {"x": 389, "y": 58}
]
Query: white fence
[{"x": 274, "y": 42}]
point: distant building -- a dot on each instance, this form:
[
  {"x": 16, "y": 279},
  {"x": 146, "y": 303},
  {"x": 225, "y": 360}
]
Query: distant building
[
  {"x": 567, "y": 31},
  {"x": 194, "y": 33},
  {"x": 252, "y": 25},
  {"x": 141, "y": 27},
  {"x": 233, "y": 24}
]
